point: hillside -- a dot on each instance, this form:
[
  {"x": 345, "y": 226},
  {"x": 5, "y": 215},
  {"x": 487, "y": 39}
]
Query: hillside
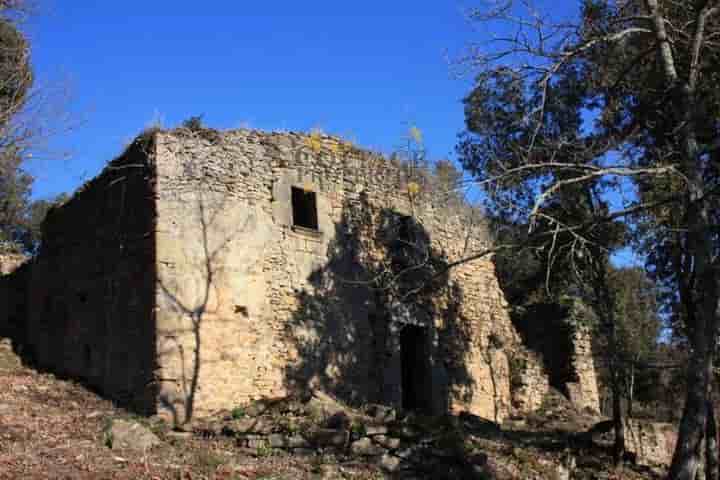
[{"x": 52, "y": 428}]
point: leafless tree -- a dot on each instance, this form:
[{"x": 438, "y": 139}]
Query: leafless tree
[{"x": 30, "y": 115}]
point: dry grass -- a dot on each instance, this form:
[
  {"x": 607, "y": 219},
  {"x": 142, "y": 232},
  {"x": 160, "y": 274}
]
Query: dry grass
[{"x": 52, "y": 428}]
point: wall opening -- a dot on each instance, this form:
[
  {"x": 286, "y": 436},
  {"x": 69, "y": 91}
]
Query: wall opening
[
  {"x": 415, "y": 368},
  {"x": 304, "y": 207}
]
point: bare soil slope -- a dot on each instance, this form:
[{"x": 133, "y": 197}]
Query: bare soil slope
[{"x": 53, "y": 428}]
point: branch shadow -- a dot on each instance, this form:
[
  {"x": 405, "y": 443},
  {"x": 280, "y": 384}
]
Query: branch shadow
[
  {"x": 381, "y": 320},
  {"x": 193, "y": 309}
]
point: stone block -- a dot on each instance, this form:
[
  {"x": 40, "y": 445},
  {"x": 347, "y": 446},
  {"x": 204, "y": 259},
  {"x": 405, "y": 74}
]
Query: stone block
[
  {"x": 366, "y": 447},
  {"x": 326, "y": 437}
]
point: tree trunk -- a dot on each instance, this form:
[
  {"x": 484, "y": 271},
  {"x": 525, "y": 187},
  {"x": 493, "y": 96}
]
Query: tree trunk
[
  {"x": 686, "y": 457},
  {"x": 618, "y": 425},
  {"x": 703, "y": 329},
  {"x": 606, "y": 307},
  {"x": 631, "y": 390},
  {"x": 711, "y": 444},
  {"x": 615, "y": 377}
]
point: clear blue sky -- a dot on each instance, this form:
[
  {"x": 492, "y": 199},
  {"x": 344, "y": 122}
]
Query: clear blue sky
[
  {"x": 359, "y": 69},
  {"x": 364, "y": 70}
]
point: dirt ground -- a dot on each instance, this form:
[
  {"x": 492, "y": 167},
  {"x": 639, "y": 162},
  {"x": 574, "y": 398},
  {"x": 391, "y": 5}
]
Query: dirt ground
[{"x": 54, "y": 428}]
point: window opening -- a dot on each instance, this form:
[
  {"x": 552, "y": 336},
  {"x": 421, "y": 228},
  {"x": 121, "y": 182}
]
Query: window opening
[{"x": 304, "y": 206}]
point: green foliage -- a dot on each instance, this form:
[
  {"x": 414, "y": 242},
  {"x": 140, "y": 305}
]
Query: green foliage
[
  {"x": 194, "y": 123},
  {"x": 263, "y": 450},
  {"x": 237, "y": 412},
  {"x": 197, "y": 127},
  {"x": 636, "y": 308},
  {"x": 357, "y": 429},
  {"x": 207, "y": 461},
  {"x": 108, "y": 439},
  {"x": 16, "y": 75},
  {"x": 19, "y": 216}
]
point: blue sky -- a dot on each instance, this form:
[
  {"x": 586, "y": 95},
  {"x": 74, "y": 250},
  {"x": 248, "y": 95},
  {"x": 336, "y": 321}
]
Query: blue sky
[{"x": 364, "y": 70}]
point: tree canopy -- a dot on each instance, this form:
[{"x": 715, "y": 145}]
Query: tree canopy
[{"x": 619, "y": 106}]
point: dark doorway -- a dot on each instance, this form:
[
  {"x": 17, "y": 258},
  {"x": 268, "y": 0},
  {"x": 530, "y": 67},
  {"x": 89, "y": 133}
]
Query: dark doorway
[{"x": 414, "y": 360}]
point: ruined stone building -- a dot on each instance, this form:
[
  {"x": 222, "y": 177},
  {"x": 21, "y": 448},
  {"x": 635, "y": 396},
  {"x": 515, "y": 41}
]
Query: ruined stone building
[{"x": 203, "y": 269}]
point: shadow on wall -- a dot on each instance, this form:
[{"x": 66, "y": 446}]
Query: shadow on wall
[
  {"x": 381, "y": 321},
  {"x": 545, "y": 330},
  {"x": 82, "y": 307},
  {"x": 192, "y": 306}
]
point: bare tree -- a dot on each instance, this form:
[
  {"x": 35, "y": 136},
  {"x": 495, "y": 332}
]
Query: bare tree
[
  {"x": 29, "y": 116},
  {"x": 621, "y": 101}
]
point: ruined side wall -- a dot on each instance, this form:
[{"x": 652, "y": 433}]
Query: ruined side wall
[
  {"x": 13, "y": 295},
  {"x": 560, "y": 337},
  {"x": 583, "y": 391},
  {"x": 250, "y": 306},
  {"x": 9, "y": 262},
  {"x": 91, "y": 288}
]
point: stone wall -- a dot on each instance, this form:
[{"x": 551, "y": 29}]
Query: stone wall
[
  {"x": 91, "y": 287},
  {"x": 11, "y": 261},
  {"x": 250, "y": 305},
  {"x": 583, "y": 389},
  {"x": 529, "y": 382},
  {"x": 14, "y": 273},
  {"x": 181, "y": 281},
  {"x": 564, "y": 347},
  {"x": 653, "y": 443}
]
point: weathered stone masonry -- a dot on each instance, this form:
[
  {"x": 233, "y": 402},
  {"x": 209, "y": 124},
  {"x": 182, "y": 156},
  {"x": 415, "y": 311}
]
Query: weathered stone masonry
[
  {"x": 90, "y": 292},
  {"x": 203, "y": 269}
]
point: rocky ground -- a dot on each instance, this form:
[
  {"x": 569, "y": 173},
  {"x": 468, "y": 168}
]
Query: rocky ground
[{"x": 52, "y": 428}]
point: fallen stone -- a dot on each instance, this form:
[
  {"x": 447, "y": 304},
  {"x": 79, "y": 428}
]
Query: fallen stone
[
  {"x": 339, "y": 420},
  {"x": 372, "y": 430},
  {"x": 254, "y": 441},
  {"x": 323, "y": 405},
  {"x": 131, "y": 435},
  {"x": 387, "y": 442},
  {"x": 561, "y": 473},
  {"x": 329, "y": 472},
  {"x": 381, "y": 413},
  {"x": 247, "y": 425},
  {"x": 177, "y": 435},
  {"x": 277, "y": 440},
  {"x": 304, "y": 451},
  {"x": 366, "y": 447},
  {"x": 389, "y": 462},
  {"x": 256, "y": 408},
  {"x": 328, "y": 437}
]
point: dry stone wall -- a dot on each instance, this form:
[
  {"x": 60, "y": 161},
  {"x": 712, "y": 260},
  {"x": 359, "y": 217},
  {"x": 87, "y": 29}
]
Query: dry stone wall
[
  {"x": 9, "y": 262},
  {"x": 13, "y": 294},
  {"x": 91, "y": 287},
  {"x": 560, "y": 339},
  {"x": 250, "y": 305},
  {"x": 653, "y": 443},
  {"x": 583, "y": 390},
  {"x": 202, "y": 270}
]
